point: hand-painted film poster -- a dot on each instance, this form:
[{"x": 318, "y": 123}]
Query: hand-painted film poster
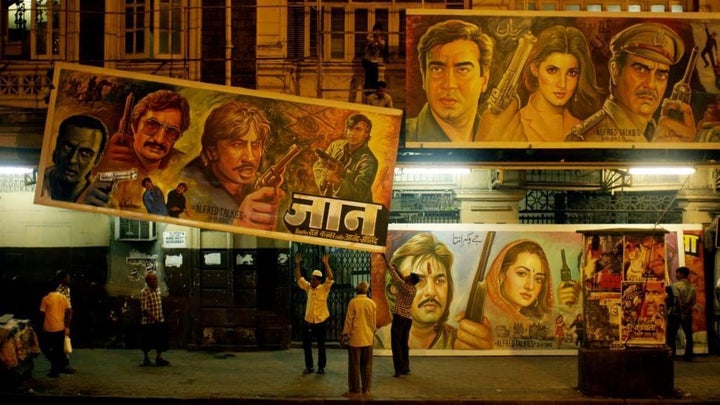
[
  {"x": 517, "y": 289},
  {"x": 625, "y": 275},
  {"x": 561, "y": 80},
  {"x": 230, "y": 159}
]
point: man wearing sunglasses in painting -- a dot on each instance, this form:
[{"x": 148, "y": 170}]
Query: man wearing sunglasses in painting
[{"x": 157, "y": 121}]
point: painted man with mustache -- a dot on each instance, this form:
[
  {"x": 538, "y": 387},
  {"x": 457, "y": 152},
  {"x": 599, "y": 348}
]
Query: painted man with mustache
[
  {"x": 639, "y": 71},
  {"x": 432, "y": 261},
  {"x": 223, "y": 177},
  {"x": 157, "y": 121}
]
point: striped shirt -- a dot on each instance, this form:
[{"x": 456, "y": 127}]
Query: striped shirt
[
  {"x": 64, "y": 290},
  {"x": 151, "y": 306},
  {"x": 405, "y": 296}
]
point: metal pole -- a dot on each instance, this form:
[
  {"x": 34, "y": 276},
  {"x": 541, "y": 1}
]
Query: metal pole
[
  {"x": 228, "y": 42},
  {"x": 319, "y": 48}
]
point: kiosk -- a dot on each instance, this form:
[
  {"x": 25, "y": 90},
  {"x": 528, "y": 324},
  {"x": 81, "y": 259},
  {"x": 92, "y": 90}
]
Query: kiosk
[{"x": 624, "y": 279}]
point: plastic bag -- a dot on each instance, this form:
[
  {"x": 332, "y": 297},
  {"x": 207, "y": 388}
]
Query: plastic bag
[{"x": 68, "y": 344}]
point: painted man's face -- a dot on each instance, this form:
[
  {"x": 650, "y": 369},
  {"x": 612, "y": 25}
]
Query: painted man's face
[
  {"x": 641, "y": 84},
  {"x": 237, "y": 160},
  {"x": 654, "y": 297},
  {"x": 156, "y": 134},
  {"x": 454, "y": 81},
  {"x": 432, "y": 291},
  {"x": 76, "y": 153}
]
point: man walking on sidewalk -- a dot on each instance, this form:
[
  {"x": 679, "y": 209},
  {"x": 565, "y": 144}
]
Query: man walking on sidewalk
[
  {"x": 57, "y": 315},
  {"x": 154, "y": 331}
]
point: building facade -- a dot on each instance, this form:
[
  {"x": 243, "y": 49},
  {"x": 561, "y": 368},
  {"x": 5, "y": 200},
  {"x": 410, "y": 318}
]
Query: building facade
[{"x": 304, "y": 48}]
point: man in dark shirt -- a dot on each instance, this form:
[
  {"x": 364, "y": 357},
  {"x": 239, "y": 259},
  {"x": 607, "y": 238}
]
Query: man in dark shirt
[{"x": 176, "y": 203}]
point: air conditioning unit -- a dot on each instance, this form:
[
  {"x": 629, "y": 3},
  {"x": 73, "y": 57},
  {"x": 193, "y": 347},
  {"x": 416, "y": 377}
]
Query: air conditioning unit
[{"x": 134, "y": 230}]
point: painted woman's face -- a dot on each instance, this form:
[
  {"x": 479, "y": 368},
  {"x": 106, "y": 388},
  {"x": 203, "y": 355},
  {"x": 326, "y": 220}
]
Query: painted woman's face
[
  {"x": 558, "y": 78},
  {"x": 524, "y": 280}
]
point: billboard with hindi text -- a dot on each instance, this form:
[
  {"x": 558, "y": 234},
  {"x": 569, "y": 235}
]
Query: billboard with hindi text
[{"x": 160, "y": 149}]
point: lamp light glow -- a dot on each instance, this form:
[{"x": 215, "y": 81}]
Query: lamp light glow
[
  {"x": 12, "y": 170},
  {"x": 667, "y": 171},
  {"x": 432, "y": 170}
]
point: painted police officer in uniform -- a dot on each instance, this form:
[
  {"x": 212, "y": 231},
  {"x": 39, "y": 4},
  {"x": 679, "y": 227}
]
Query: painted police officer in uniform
[{"x": 639, "y": 71}]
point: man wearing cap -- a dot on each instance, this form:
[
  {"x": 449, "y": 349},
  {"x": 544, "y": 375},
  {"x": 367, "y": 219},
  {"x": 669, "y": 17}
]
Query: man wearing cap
[
  {"x": 316, "y": 312},
  {"x": 639, "y": 70}
]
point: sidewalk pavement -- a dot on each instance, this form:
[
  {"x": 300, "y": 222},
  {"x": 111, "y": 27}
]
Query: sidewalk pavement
[{"x": 110, "y": 376}]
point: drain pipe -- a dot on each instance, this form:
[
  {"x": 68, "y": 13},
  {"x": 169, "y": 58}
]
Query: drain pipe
[{"x": 228, "y": 42}]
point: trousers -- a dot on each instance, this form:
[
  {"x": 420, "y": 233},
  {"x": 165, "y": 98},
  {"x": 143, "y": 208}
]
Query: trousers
[
  {"x": 314, "y": 331},
  {"x": 360, "y": 364},
  {"x": 399, "y": 336},
  {"x": 674, "y": 323}
]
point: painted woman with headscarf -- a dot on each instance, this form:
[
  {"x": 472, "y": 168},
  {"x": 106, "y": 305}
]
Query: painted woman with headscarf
[{"x": 519, "y": 284}]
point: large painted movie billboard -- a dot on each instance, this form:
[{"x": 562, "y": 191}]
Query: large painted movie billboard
[
  {"x": 523, "y": 289},
  {"x": 243, "y": 161},
  {"x": 562, "y": 80}
]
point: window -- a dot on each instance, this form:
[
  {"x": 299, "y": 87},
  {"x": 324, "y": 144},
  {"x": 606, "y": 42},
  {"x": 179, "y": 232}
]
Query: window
[
  {"x": 364, "y": 24},
  {"x": 349, "y": 43},
  {"x": 153, "y": 28},
  {"x": 657, "y": 8},
  {"x": 634, "y": 8},
  {"x": 614, "y": 7},
  {"x": 337, "y": 33},
  {"x": 344, "y": 26},
  {"x": 594, "y": 7},
  {"x": 46, "y": 23},
  {"x": 136, "y": 22},
  {"x": 572, "y": 7},
  {"x": 296, "y": 31},
  {"x": 676, "y": 8},
  {"x": 35, "y": 29},
  {"x": 361, "y": 27},
  {"x": 168, "y": 27},
  {"x": 132, "y": 229}
]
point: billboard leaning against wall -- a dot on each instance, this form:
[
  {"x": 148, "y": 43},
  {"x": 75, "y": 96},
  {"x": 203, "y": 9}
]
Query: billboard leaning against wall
[
  {"x": 236, "y": 160},
  {"x": 530, "y": 289},
  {"x": 561, "y": 80}
]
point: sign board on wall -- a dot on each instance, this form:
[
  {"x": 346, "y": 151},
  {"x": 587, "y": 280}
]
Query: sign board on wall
[
  {"x": 195, "y": 154},
  {"x": 495, "y": 79},
  {"x": 174, "y": 240},
  {"x": 518, "y": 289}
]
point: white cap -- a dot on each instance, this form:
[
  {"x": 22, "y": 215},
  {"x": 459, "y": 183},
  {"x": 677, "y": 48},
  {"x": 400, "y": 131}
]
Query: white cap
[{"x": 317, "y": 273}]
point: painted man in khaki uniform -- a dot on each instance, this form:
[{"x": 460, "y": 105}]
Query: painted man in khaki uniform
[{"x": 639, "y": 71}]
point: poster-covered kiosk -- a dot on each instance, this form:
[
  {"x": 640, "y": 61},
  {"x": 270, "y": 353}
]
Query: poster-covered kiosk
[{"x": 624, "y": 277}]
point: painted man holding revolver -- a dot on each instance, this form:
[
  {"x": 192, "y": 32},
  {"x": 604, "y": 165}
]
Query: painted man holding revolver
[
  {"x": 224, "y": 178},
  {"x": 348, "y": 167},
  {"x": 145, "y": 143}
]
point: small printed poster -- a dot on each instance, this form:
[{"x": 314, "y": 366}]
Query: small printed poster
[{"x": 174, "y": 239}]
